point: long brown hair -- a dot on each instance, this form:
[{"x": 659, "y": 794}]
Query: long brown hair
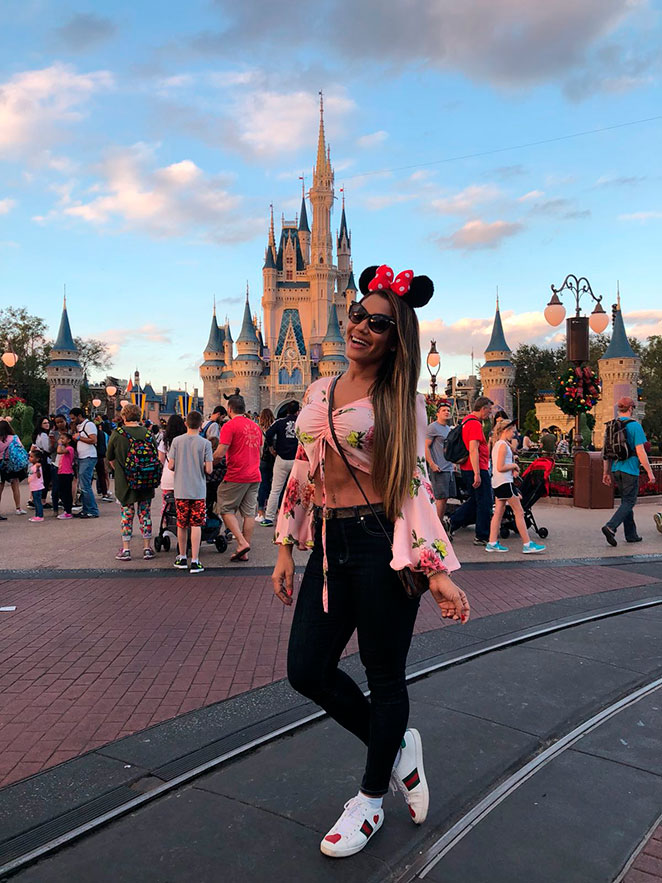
[
  {"x": 394, "y": 403},
  {"x": 265, "y": 419}
]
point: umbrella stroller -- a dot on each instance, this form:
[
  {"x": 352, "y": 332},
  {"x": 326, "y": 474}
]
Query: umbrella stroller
[
  {"x": 533, "y": 485},
  {"x": 211, "y": 532}
]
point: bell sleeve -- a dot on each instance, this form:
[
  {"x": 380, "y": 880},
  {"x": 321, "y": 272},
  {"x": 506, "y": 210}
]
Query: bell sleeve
[
  {"x": 294, "y": 525},
  {"x": 419, "y": 539}
]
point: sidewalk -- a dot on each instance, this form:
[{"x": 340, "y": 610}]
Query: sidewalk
[{"x": 85, "y": 661}]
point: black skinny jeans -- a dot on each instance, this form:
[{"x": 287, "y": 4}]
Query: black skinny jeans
[{"x": 364, "y": 594}]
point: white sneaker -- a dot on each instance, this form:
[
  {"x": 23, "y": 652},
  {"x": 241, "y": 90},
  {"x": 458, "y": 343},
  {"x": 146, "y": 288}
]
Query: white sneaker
[
  {"x": 21, "y": 512},
  {"x": 353, "y": 829},
  {"x": 408, "y": 776}
]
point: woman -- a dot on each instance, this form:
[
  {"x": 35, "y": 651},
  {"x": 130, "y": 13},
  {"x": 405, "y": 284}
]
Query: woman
[
  {"x": 350, "y": 580},
  {"x": 13, "y": 463},
  {"x": 266, "y": 465},
  {"x": 174, "y": 427},
  {"x": 129, "y": 498},
  {"x": 504, "y": 472},
  {"x": 43, "y": 440}
]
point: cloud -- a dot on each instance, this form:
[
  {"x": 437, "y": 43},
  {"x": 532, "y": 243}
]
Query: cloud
[
  {"x": 479, "y": 234},
  {"x": 116, "y": 338},
  {"x": 6, "y": 205},
  {"x": 372, "y": 140},
  {"x": 532, "y": 194},
  {"x": 34, "y": 105},
  {"x": 641, "y": 216},
  {"x": 505, "y": 173},
  {"x": 506, "y": 42},
  {"x": 84, "y": 31},
  {"x": 643, "y": 323},
  {"x": 613, "y": 70},
  {"x": 174, "y": 200},
  {"x": 466, "y": 200},
  {"x": 619, "y": 180},
  {"x": 459, "y": 338}
]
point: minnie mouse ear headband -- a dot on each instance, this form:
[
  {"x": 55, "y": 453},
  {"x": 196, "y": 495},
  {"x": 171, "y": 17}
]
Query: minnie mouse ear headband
[{"x": 416, "y": 291}]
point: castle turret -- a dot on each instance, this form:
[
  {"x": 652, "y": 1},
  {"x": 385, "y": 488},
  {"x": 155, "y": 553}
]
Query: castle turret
[
  {"x": 498, "y": 372},
  {"x": 321, "y": 271},
  {"x": 248, "y": 365},
  {"x": 64, "y": 372},
  {"x": 333, "y": 360},
  {"x": 270, "y": 283},
  {"x": 304, "y": 230},
  {"x": 213, "y": 366},
  {"x": 351, "y": 289},
  {"x": 344, "y": 252},
  {"x": 619, "y": 372},
  {"x": 227, "y": 344}
]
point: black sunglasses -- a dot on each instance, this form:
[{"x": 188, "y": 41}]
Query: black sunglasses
[{"x": 377, "y": 322}]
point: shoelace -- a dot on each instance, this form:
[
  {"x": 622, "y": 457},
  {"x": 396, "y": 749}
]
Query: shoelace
[{"x": 355, "y": 813}]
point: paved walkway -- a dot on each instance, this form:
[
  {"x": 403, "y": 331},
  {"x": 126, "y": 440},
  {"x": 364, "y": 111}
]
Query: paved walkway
[
  {"x": 647, "y": 867},
  {"x": 86, "y": 661}
]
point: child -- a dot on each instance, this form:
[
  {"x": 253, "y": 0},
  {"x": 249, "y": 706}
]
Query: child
[
  {"x": 65, "y": 472},
  {"x": 504, "y": 471},
  {"x": 36, "y": 483},
  {"x": 190, "y": 458}
]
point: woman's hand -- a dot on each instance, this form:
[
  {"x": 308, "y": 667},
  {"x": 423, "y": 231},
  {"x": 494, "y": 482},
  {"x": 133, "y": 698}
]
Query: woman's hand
[
  {"x": 283, "y": 575},
  {"x": 452, "y": 601}
]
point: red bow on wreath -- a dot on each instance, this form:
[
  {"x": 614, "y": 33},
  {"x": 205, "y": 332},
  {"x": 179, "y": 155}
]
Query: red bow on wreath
[{"x": 384, "y": 279}]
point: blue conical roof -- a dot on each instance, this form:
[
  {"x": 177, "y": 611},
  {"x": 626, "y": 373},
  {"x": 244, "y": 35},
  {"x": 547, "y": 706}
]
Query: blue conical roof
[
  {"x": 247, "y": 333},
  {"x": 619, "y": 345},
  {"x": 216, "y": 337},
  {"x": 333, "y": 333},
  {"x": 226, "y": 331},
  {"x": 343, "y": 226},
  {"x": 269, "y": 263},
  {"x": 303, "y": 218},
  {"x": 351, "y": 285},
  {"x": 65, "y": 339},
  {"x": 498, "y": 340}
]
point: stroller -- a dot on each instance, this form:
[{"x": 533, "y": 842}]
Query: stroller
[
  {"x": 211, "y": 532},
  {"x": 533, "y": 485}
]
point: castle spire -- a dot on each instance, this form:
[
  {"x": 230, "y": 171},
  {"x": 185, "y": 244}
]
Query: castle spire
[
  {"x": 65, "y": 340},
  {"x": 322, "y": 154},
  {"x": 619, "y": 345},
  {"x": 272, "y": 232},
  {"x": 497, "y": 342}
]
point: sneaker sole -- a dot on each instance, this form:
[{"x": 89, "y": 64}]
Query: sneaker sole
[
  {"x": 496, "y": 550},
  {"x": 421, "y": 775},
  {"x": 202, "y": 570},
  {"x": 328, "y": 848},
  {"x": 180, "y": 566},
  {"x": 532, "y": 551}
]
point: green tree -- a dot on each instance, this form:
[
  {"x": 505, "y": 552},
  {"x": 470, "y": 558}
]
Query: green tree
[
  {"x": 651, "y": 386},
  {"x": 93, "y": 353},
  {"x": 535, "y": 369},
  {"x": 27, "y": 336},
  {"x": 531, "y": 425}
]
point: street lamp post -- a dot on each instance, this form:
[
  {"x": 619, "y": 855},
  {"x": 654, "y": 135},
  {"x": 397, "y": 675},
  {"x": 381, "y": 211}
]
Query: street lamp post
[
  {"x": 9, "y": 360},
  {"x": 433, "y": 362},
  {"x": 577, "y": 326}
]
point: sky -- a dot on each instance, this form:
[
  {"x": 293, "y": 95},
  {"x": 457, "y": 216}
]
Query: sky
[{"x": 488, "y": 143}]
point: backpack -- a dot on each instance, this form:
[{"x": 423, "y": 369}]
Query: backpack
[
  {"x": 203, "y": 433},
  {"x": 142, "y": 468},
  {"x": 615, "y": 445},
  {"x": 455, "y": 450},
  {"x": 16, "y": 457}
]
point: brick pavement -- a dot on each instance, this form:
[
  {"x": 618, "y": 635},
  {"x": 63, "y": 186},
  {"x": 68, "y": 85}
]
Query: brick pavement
[
  {"x": 86, "y": 661},
  {"x": 647, "y": 867}
]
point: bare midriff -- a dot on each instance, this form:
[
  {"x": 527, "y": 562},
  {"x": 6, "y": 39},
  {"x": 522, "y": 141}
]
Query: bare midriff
[{"x": 341, "y": 490}]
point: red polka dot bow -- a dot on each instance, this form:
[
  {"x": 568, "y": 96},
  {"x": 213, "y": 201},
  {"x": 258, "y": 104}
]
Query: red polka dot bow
[{"x": 384, "y": 279}]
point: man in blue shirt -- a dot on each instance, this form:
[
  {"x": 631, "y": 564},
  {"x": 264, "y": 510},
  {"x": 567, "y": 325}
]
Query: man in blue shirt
[{"x": 625, "y": 475}]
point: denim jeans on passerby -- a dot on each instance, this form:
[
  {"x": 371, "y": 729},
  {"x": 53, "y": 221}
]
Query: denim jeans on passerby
[
  {"x": 85, "y": 472},
  {"x": 266, "y": 476},
  {"x": 364, "y": 594},
  {"x": 38, "y": 504},
  {"x": 477, "y": 509},
  {"x": 628, "y": 487}
]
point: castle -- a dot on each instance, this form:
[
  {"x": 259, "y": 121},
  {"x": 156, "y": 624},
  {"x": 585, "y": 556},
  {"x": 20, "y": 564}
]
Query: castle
[
  {"x": 497, "y": 374},
  {"x": 304, "y": 294},
  {"x": 64, "y": 372}
]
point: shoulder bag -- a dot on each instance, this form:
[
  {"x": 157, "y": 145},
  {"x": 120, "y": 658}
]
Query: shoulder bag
[{"x": 413, "y": 582}]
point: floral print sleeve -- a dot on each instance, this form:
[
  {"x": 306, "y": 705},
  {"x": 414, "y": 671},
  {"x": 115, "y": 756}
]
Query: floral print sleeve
[
  {"x": 419, "y": 539},
  {"x": 294, "y": 525}
]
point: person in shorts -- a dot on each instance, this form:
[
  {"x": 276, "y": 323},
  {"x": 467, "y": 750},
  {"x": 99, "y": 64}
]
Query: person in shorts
[
  {"x": 442, "y": 473},
  {"x": 241, "y": 445},
  {"x": 504, "y": 472},
  {"x": 190, "y": 458}
]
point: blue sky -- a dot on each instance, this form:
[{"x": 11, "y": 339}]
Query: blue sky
[{"x": 141, "y": 145}]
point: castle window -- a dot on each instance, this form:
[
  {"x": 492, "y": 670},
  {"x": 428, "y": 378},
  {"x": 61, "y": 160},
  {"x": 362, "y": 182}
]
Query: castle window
[{"x": 288, "y": 275}]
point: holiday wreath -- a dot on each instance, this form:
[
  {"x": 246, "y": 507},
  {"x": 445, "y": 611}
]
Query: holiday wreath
[{"x": 577, "y": 390}]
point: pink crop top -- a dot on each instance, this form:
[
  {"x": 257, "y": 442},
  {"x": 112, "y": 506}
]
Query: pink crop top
[{"x": 419, "y": 539}]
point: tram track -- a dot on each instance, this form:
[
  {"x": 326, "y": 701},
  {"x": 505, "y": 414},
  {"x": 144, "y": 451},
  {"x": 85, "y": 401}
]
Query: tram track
[{"x": 32, "y": 845}]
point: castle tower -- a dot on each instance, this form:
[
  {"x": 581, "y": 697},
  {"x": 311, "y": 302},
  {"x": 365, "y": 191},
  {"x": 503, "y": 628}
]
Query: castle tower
[
  {"x": 248, "y": 365},
  {"x": 270, "y": 284},
  {"x": 213, "y": 366},
  {"x": 333, "y": 360},
  {"x": 321, "y": 272},
  {"x": 619, "y": 372},
  {"x": 350, "y": 289},
  {"x": 344, "y": 252},
  {"x": 498, "y": 373},
  {"x": 64, "y": 372},
  {"x": 227, "y": 344},
  {"x": 304, "y": 229}
]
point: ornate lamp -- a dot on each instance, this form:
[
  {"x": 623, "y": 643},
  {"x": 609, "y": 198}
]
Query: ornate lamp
[{"x": 433, "y": 362}]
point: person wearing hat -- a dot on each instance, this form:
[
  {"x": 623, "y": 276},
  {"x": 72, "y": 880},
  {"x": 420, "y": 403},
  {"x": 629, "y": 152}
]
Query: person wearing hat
[{"x": 624, "y": 475}]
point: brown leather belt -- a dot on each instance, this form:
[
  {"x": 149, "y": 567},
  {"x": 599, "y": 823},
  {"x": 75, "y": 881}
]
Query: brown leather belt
[{"x": 348, "y": 511}]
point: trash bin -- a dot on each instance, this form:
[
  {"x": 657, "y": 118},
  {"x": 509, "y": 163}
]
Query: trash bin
[{"x": 588, "y": 490}]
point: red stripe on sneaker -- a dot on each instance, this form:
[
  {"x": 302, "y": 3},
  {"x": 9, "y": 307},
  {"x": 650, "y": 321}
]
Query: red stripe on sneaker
[
  {"x": 333, "y": 838},
  {"x": 366, "y": 828},
  {"x": 412, "y": 780}
]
